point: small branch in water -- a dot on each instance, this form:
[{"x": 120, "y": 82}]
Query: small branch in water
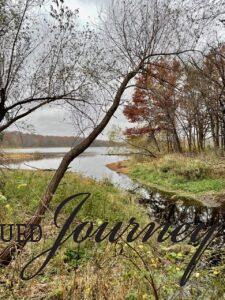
[{"x": 35, "y": 168}]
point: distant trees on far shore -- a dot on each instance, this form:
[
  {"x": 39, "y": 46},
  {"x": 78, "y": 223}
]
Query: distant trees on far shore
[{"x": 17, "y": 139}]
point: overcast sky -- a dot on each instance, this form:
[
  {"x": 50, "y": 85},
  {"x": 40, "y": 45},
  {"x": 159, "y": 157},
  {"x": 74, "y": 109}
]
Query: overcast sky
[{"x": 52, "y": 121}]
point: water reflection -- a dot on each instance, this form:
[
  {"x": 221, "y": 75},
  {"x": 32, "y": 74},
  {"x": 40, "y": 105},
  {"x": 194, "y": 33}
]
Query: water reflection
[
  {"x": 162, "y": 210},
  {"x": 92, "y": 164},
  {"x": 159, "y": 207}
]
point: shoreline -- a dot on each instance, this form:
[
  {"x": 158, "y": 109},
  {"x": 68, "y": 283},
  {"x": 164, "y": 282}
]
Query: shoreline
[
  {"x": 13, "y": 157},
  {"x": 119, "y": 167},
  {"x": 8, "y": 158},
  {"x": 209, "y": 199}
]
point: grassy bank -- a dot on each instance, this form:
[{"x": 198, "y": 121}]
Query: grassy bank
[
  {"x": 91, "y": 270},
  {"x": 6, "y": 157},
  {"x": 199, "y": 178},
  {"x": 15, "y": 157}
]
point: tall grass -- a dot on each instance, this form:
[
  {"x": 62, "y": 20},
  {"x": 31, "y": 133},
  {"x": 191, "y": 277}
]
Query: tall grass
[
  {"x": 193, "y": 176},
  {"x": 96, "y": 271}
]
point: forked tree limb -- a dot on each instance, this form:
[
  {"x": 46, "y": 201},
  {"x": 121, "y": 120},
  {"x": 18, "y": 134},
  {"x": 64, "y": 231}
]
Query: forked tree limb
[{"x": 9, "y": 252}]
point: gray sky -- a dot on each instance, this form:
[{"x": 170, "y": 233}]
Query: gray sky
[{"x": 52, "y": 121}]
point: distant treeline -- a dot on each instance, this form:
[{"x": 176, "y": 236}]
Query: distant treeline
[{"x": 20, "y": 140}]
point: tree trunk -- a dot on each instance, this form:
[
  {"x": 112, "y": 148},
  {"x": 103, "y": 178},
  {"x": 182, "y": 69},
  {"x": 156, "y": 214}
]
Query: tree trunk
[
  {"x": 176, "y": 140},
  {"x": 7, "y": 255},
  {"x": 200, "y": 136},
  {"x": 2, "y": 104},
  {"x": 153, "y": 138},
  {"x": 189, "y": 137},
  {"x": 177, "y": 145},
  {"x": 222, "y": 107},
  {"x": 213, "y": 130}
]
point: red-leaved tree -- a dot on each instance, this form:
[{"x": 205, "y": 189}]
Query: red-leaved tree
[{"x": 155, "y": 102}]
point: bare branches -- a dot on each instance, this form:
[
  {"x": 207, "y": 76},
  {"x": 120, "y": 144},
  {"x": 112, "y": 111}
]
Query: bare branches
[
  {"x": 20, "y": 116},
  {"x": 100, "y": 67},
  {"x": 44, "y": 63},
  {"x": 149, "y": 153},
  {"x": 15, "y": 42}
]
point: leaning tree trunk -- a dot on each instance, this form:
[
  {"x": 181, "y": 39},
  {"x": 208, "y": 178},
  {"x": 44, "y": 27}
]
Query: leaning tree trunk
[
  {"x": 152, "y": 137},
  {"x": 8, "y": 253}
]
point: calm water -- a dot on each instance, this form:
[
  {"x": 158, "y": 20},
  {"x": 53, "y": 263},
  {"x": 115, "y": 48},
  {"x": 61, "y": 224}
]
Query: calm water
[
  {"x": 93, "y": 164},
  {"x": 38, "y": 150}
]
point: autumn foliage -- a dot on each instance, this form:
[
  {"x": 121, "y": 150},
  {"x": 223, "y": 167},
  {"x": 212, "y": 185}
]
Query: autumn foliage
[
  {"x": 155, "y": 100},
  {"x": 179, "y": 104}
]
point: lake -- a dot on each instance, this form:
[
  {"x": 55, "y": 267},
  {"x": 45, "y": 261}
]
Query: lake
[{"x": 92, "y": 163}]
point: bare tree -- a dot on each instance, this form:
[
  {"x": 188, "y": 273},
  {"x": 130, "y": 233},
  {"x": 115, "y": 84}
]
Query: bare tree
[
  {"x": 43, "y": 51},
  {"x": 132, "y": 34}
]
